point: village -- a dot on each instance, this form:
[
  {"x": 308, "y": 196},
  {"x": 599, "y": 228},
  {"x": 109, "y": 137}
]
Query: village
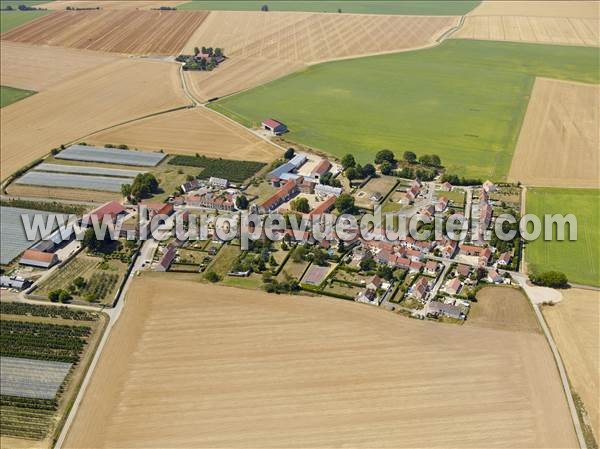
[{"x": 430, "y": 278}]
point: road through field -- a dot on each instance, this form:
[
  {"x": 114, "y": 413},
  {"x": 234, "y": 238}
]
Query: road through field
[{"x": 235, "y": 368}]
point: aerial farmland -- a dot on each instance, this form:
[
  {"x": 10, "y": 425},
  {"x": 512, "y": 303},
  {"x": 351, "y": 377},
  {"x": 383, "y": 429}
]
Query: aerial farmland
[{"x": 234, "y": 223}]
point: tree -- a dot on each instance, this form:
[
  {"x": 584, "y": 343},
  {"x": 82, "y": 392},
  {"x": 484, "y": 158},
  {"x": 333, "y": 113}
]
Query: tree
[
  {"x": 368, "y": 264},
  {"x": 319, "y": 257},
  {"x": 64, "y": 296},
  {"x": 348, "y": 161},
  {"x": 386, "y": 168},
  {"x": 264, "y": 8},
  {"x": 301, "y": 205},
  {"x": 299, "y": 254},
  {"x": 289, "y": 153},
  {"x": 425, "y": 159},
  {"x": 410, "y": 157},
  {"x": 436, "y": 161},
  {"x": 242, "y": 202},
  {"x": 352, "y": 173},
  {"x": 90, "y": 241},
  {"x": 368, "y": 170},
  {"x": 126, "y": 190},
  {"x": 344, "y": 203},
  {"x": 79, "y": 282},
  {"x": 218, "y": 52},
  {"x": 272, "y": 261},
  {"x": 211, "y": 276},
  {"x": 385, "y": 155},
  {"x": 196, "y": 51},
  {"x": 144, "y": 185},
  {"x": 386, "y": 272},
  {"x": 54, "y": 295}
]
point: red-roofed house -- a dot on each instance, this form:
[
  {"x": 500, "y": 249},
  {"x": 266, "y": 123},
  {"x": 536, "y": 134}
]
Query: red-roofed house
[
  {"x": 285, "y": 192},
  {"x": 274, "y": 127},
  {"x": 321, "y": 168},
  {"x": 453, "y": 286},
  {"x": 112, "y": 209},
  {"x": 324, "y": 207},
  {"x": 431, "y": 267},
  {"x": 419, "y": 288}
]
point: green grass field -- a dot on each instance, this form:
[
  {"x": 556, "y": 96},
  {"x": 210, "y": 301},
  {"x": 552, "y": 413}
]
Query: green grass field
[
  {"x": 580, "y": 259},
  {"x": 9, "y": 95},
  {"x": 12, "y": 19},
  {"x": 405, "y": 7},
  {"x": 464, "y": 100}
]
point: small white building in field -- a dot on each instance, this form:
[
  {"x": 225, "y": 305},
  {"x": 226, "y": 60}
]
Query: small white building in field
[{"x": 274, "y": 127}]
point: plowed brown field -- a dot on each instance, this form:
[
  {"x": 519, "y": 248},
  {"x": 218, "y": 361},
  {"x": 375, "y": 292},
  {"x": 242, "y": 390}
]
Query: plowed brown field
[
  {"x": 190, "y": 131},
  {"x": 575, "y": 325},
  {"x": 131, "y": 32},
  {"x": 540, "y": 30},
  {"x": 259, "y": 44},
  {"x": 123, "y": 90},
  {"x": 36, "y": 68},
  {"x": 559, "y": 144},
  {"x": 196, "y": 365},
  {"x": 60, "y": 5}
]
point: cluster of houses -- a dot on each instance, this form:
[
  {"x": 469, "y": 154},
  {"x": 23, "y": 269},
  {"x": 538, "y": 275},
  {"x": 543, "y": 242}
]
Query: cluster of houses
[{"x": 411, "y": 193}]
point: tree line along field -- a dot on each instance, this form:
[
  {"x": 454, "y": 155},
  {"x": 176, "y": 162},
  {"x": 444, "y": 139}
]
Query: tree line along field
[
  {"x": 463, "y": 100},
  {"x": 10, "y": 95},
  {"x": 580, "y": 259},
  {"x": 406, "y": 7}
]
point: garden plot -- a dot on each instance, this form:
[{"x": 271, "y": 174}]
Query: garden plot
[
  {"x": 315, "y": 275},
  {"x": 28, "y": 378},
  {"x": 111, "y": 156}
]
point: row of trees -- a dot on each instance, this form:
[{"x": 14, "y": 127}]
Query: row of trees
[
  {"x": 353, "y": 170},
  {"x": 60, "y": 295}
]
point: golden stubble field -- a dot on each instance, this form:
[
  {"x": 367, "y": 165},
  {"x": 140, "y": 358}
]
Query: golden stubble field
[
  {"x": 190, "y": 131},
  {"x": 33, "y": 67},
  {"x": 559, "y": 143},
  {"x": 262, "y": 47},
  {"x": 575, "y": 326},
  {"x": 195, "y": 365},
  {"x": 111, "y": 94},
  {"x": 120, "y": 31},
  {"x": 543, "y": 22}
]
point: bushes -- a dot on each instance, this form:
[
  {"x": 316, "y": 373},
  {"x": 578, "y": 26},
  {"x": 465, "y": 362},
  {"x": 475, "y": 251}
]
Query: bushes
[
  {"x": 18, "y": 308},
  {"x": 235, "y": 171},
  {"x": 553, "y": 279}
]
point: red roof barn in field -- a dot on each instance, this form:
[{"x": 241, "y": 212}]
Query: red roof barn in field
[
  {"x": 274, "y": 127},
  {"x": 112, "y": 210}
]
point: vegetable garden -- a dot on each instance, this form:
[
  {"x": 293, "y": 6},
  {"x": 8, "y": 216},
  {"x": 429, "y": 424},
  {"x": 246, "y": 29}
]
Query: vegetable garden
[{"x": 234, "y": 171}]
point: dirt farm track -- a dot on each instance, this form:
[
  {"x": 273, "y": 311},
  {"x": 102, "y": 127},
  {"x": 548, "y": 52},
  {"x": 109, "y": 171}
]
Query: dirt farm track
[
  {"x": 193, "y": 365},
  {"x": 139, "y": 32}
]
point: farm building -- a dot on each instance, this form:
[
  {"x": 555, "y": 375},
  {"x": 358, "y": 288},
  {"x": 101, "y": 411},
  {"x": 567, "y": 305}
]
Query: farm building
[
  {"x": 156, "y": 208},
  {"x": 191, "y": 185},
  {"x": 14, "y": 282},
  {"x": 274, "y": 127},
  {"x": 167, "y": 258},
  {"x": 324, "y": 207},
  {"x": 218, "y": 182},
  {"x": 286, "y": 192},
  {"x": 40, "y": 259},
  {"x": 436, "y": 308},
  {"x": 323, "y": 190},
  {"x": 321, "y": 168},
  {"x": 113, "y": 210},
  {"x": 279, "y": 172}
]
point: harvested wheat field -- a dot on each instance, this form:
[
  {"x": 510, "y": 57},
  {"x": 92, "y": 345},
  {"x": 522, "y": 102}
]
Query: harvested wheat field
[
  {"x": 123, "y": 90},
  {"x": 56, "y": 193},
  {"x": 265, "y": 41},
  {"x": 195, "y": 365},
  {"x": 503, "y": 308},
  {"x": 60, "y": 5},
  {"x": 190, "y": 131},
  {"x": 129, "y": 32},
  {"x": 559, "y": 144},
  {"x": 36, "y": 68},
  {"x": 538, "y": 30},
  {"x": 538, "y": 8},
  {"x": 575, "y": 326}
]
